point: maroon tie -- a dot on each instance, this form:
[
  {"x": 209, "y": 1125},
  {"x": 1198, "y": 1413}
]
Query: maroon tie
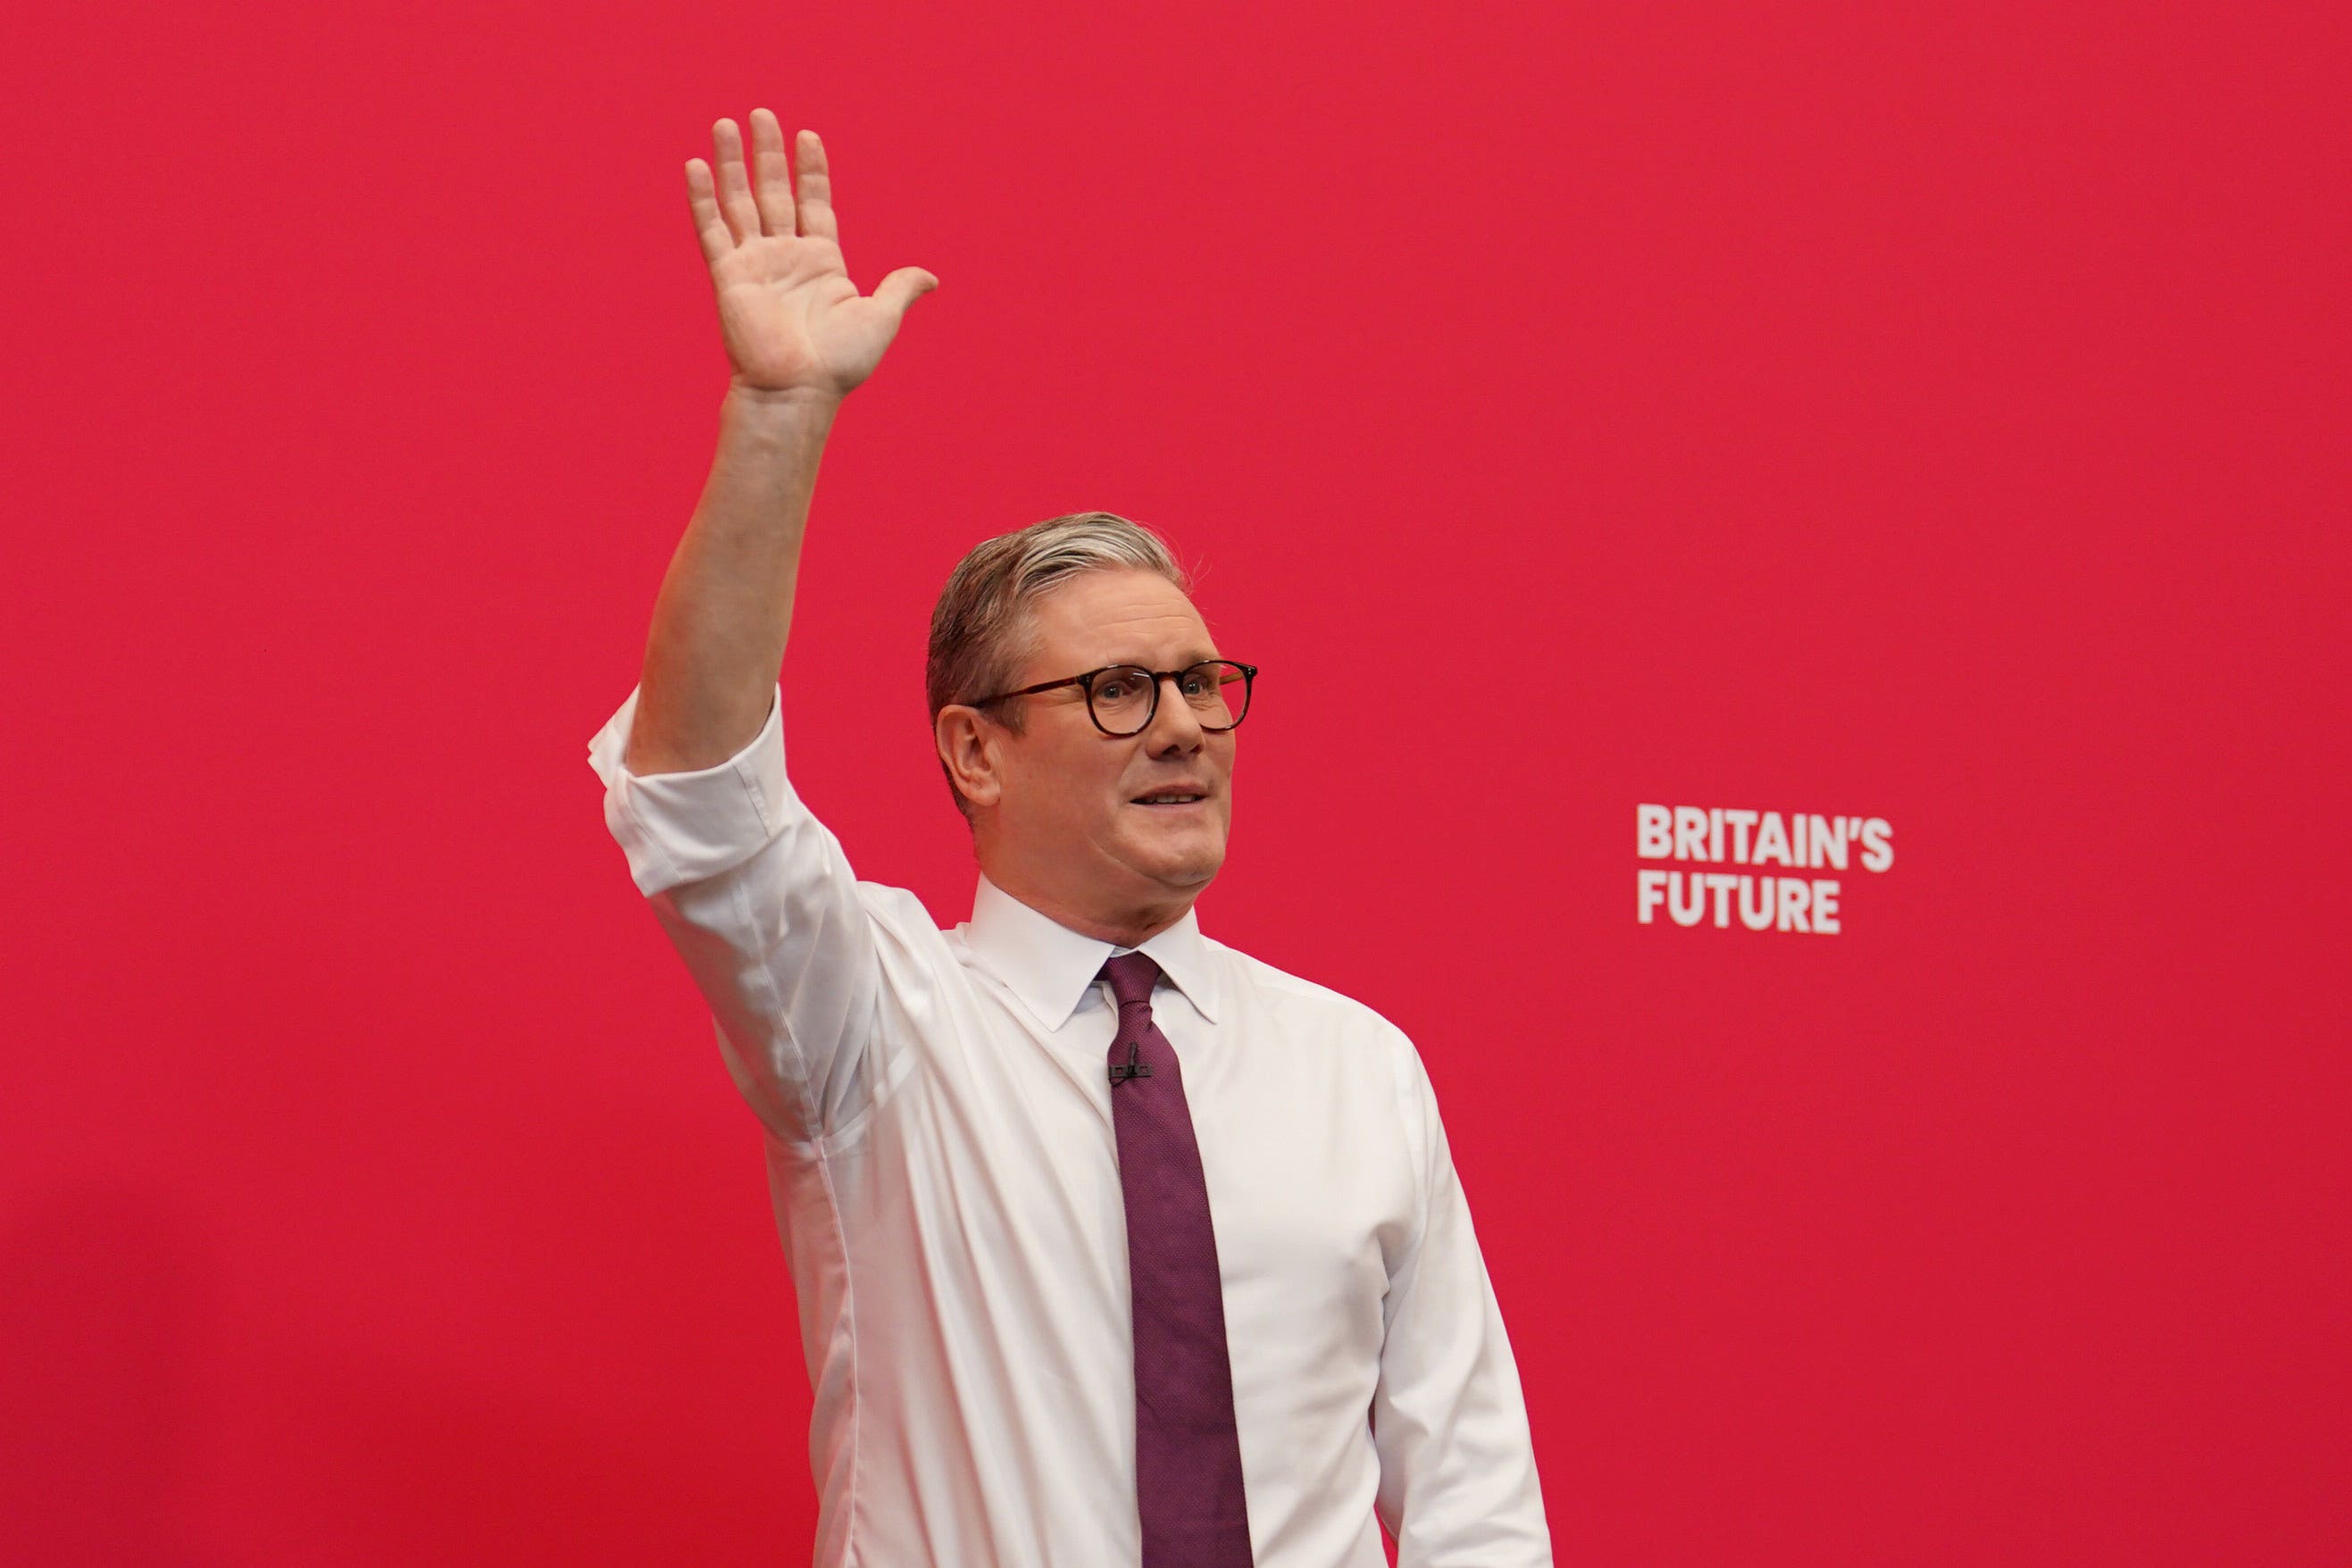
[{"x": 1188, "y": 1454}]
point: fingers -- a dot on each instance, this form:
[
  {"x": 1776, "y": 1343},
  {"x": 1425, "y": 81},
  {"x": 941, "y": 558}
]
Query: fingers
[
  {"x": 732, "y": 205},
  {"x": 902, "y": 288},
  {"x": 702, "y": 200},
  {"x": 734, "y": 184},
  {"x": 816, "y": 188},
  {"x": 771, "y": 175}
]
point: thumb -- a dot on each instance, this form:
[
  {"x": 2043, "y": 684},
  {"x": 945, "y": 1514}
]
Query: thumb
[{"x": 902, "y": 288}]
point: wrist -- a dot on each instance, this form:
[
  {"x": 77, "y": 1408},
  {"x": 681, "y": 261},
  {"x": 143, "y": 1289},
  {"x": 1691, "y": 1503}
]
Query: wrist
[
  {"x": 789, "y": 416},
  {"x": 743, "y": 395}
]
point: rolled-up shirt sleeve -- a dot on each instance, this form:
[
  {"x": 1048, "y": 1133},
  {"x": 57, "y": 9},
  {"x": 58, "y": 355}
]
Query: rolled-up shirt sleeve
[
  {"x": 1458, "y": 1486},
  {"x": 760, "y": 903}
]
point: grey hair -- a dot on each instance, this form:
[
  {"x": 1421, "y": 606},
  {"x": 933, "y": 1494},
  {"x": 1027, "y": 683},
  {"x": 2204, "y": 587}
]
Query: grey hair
[{"x": 981, "y": 628}]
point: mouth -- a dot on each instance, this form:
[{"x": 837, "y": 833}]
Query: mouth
[{"x": 1172, "y": 801}]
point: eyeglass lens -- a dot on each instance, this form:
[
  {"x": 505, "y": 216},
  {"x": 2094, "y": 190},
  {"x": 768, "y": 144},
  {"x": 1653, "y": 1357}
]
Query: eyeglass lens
[{"x": 1217, "y": 692}]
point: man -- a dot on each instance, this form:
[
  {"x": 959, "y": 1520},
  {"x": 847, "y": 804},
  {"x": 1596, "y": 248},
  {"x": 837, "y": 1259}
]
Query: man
[{"x": 1112, "y": 1244}]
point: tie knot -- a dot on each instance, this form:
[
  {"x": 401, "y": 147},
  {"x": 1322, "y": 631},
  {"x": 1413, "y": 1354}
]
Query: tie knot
[{"x": 1131, "y": 976}]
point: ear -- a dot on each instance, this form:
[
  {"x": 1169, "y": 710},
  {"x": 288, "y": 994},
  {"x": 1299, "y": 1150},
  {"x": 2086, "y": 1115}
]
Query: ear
[{"x": 970, "y": 744}]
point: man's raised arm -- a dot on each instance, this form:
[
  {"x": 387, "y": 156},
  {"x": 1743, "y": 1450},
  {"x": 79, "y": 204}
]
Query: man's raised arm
[
  {"x": 752, "y": 890},
  {"x": 799, "y": 338}
]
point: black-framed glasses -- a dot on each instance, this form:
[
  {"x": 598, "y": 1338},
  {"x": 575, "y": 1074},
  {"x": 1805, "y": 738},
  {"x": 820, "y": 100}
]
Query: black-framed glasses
[{"x": 1123, "y": 698}]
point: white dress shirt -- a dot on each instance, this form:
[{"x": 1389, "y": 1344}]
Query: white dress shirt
[{"x": 941, "y": 1157}]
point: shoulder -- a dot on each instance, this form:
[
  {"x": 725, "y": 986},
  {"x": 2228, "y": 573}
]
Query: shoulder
[
  {"x": 1311, "y": 1001},
  {"x": 903, "y": 921},
  {"x": 897, "y": 905}
]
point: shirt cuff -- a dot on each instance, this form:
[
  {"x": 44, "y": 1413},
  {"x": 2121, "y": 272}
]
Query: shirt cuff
[{"x": 685, "y": 826}]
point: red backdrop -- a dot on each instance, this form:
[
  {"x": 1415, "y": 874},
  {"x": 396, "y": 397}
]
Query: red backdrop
[{"x": 1930, "y": 417}]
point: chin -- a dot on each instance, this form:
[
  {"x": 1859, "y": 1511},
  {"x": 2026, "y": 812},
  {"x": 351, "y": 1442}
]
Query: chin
[{"x": 1185, "y": 868}]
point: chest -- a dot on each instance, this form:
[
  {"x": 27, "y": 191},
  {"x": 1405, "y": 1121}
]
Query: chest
[{"x": 1297, "y": 1126}]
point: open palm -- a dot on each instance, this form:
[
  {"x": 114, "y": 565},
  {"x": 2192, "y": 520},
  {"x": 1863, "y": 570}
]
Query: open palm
[{"x": 791, "y": 318}]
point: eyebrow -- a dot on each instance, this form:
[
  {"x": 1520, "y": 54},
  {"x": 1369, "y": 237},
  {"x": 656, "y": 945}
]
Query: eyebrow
[{"x": 1190, "y": 661}]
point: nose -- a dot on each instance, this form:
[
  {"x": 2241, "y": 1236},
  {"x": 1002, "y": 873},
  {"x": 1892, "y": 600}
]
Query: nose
[{"x": 1174, "y": 726}]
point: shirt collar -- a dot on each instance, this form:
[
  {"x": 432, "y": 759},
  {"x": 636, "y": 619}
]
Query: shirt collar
[{"x": 1049, "y": 966}]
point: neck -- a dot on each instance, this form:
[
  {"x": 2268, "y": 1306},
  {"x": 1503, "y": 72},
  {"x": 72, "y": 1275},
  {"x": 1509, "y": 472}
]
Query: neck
[{"x": 1122, "y": 925}]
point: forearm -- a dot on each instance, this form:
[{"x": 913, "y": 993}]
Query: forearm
[{"x": 726, "y": 602}]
